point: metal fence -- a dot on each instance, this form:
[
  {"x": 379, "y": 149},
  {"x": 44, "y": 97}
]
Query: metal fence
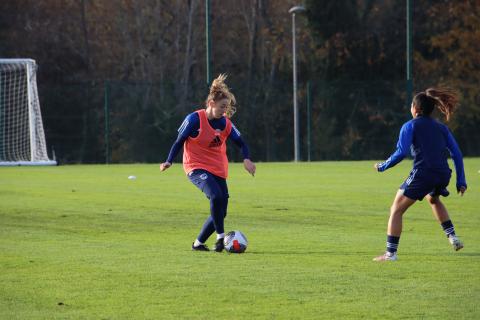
[{"x": 124, "y": 122}]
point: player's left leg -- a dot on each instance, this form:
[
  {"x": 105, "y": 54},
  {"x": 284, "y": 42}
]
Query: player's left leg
[
  {"x": 400, "y": 204},
  {"x": 223, "y": 204},
  {"x": 222, "y": 183}
]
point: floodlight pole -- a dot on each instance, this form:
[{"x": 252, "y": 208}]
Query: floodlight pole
[
  {"x": 409, "y": 53},
  {"x": 107, "y": 120},
  {"x": 296, "y": 137},
  {"x": 309, "y": 109}
]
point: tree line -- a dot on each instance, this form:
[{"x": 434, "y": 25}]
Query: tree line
[{"x": 116, "y": 78}]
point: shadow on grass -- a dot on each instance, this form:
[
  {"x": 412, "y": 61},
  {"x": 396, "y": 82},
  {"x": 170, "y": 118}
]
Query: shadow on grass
[
  {"x": 361, "y": 253},
  {"x": 449, "y": 255},
  {"x": 309, "y": 252},
  {"x": 470, "y": 254}
]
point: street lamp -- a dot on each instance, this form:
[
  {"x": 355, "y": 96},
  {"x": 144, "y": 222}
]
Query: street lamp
[
  {"x": 208, "y": 42},
  {"x": 296, "y": 136}
]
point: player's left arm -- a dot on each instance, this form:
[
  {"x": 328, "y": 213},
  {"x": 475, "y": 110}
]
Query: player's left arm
[
  {"x": 236, "y": 137},
  {"x": 403, "y": 146},
  {"x": 457, "y": 157}
]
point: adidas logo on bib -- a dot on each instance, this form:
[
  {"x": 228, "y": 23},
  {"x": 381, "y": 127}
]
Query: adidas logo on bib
[{"x": 215, "y": 143}]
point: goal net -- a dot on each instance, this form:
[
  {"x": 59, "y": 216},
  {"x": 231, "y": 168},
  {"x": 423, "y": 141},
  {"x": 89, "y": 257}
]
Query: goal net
[{"x": 22, "y": 139}]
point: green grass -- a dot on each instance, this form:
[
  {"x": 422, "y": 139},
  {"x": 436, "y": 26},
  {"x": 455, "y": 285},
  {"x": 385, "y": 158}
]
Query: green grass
[{"x": 84, "y": 242}]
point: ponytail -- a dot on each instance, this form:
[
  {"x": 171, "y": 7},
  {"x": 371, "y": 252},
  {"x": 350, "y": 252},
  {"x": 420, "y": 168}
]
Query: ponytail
[
  {"x": 218, "y": 91},
  {"x": 445, "y": 99}
]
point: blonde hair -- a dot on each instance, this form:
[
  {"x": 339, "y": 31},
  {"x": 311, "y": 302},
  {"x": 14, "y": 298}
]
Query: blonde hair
[
  {"x": 218, "y": 91},
  {"x": 445, "y": 99}
]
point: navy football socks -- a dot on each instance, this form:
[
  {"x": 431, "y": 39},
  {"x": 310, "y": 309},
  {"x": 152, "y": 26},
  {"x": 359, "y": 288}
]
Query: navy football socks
[
  {"x": 392, "y": 243},
  {"x": 448, "y": 228}
]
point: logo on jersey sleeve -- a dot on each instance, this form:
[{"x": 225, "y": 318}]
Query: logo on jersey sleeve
[
  {"x": 236, "y": 130},
  {"x": 183, "y": 126}
]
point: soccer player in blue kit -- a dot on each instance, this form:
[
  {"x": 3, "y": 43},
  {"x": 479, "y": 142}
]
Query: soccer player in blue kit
[
  {"x": 203, "y": 135},
  {"x": 428, "y": 140}
]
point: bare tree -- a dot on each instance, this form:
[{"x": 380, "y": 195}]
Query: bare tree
[{"x": 249, "y": 14}]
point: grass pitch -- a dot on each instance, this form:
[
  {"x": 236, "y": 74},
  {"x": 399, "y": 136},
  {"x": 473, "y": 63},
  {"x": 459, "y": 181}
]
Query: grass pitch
[{"x": 85, "y": 242}]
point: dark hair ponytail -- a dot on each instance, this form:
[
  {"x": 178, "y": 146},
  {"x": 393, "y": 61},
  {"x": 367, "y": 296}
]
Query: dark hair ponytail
[{"x": 445, "y": 99}]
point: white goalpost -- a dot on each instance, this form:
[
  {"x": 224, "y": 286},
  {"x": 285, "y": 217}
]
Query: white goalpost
[{"x": 22, "y": 139}]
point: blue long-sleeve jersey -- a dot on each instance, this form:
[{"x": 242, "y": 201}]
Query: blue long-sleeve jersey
[
  {"x": 428, "y": 141},
  {"x": 190, "y": 127}
]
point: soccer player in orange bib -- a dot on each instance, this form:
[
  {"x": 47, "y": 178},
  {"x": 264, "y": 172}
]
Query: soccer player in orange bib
[{"x": 203, "y": 135}]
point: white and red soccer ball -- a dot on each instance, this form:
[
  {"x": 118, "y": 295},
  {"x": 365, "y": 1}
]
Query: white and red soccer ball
[{"x": 235, "y": 242}]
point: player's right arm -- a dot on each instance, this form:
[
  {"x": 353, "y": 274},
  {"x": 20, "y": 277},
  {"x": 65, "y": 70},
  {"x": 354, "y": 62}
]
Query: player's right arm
[
  {"x": 403, "y": 146},
  {"x": 190, "y": 125}
]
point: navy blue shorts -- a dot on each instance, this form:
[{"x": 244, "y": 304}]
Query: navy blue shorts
[
  {"x": 421, "y": 182},
  {"x": 213, "y": 186}
]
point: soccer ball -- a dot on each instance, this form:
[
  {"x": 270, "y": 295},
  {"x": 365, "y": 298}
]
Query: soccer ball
[{"x": 235, "y": 242}]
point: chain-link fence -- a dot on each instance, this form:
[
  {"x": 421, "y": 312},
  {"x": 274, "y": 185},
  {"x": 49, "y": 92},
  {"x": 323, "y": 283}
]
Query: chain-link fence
[{"x": 122, "y": 122}]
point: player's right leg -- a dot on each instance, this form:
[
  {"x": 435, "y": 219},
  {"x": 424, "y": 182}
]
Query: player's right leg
[
  {"x": 441, "y": 214},
  {"x": 440, "y": 211},
  {"x": 214, "y": 191}
]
